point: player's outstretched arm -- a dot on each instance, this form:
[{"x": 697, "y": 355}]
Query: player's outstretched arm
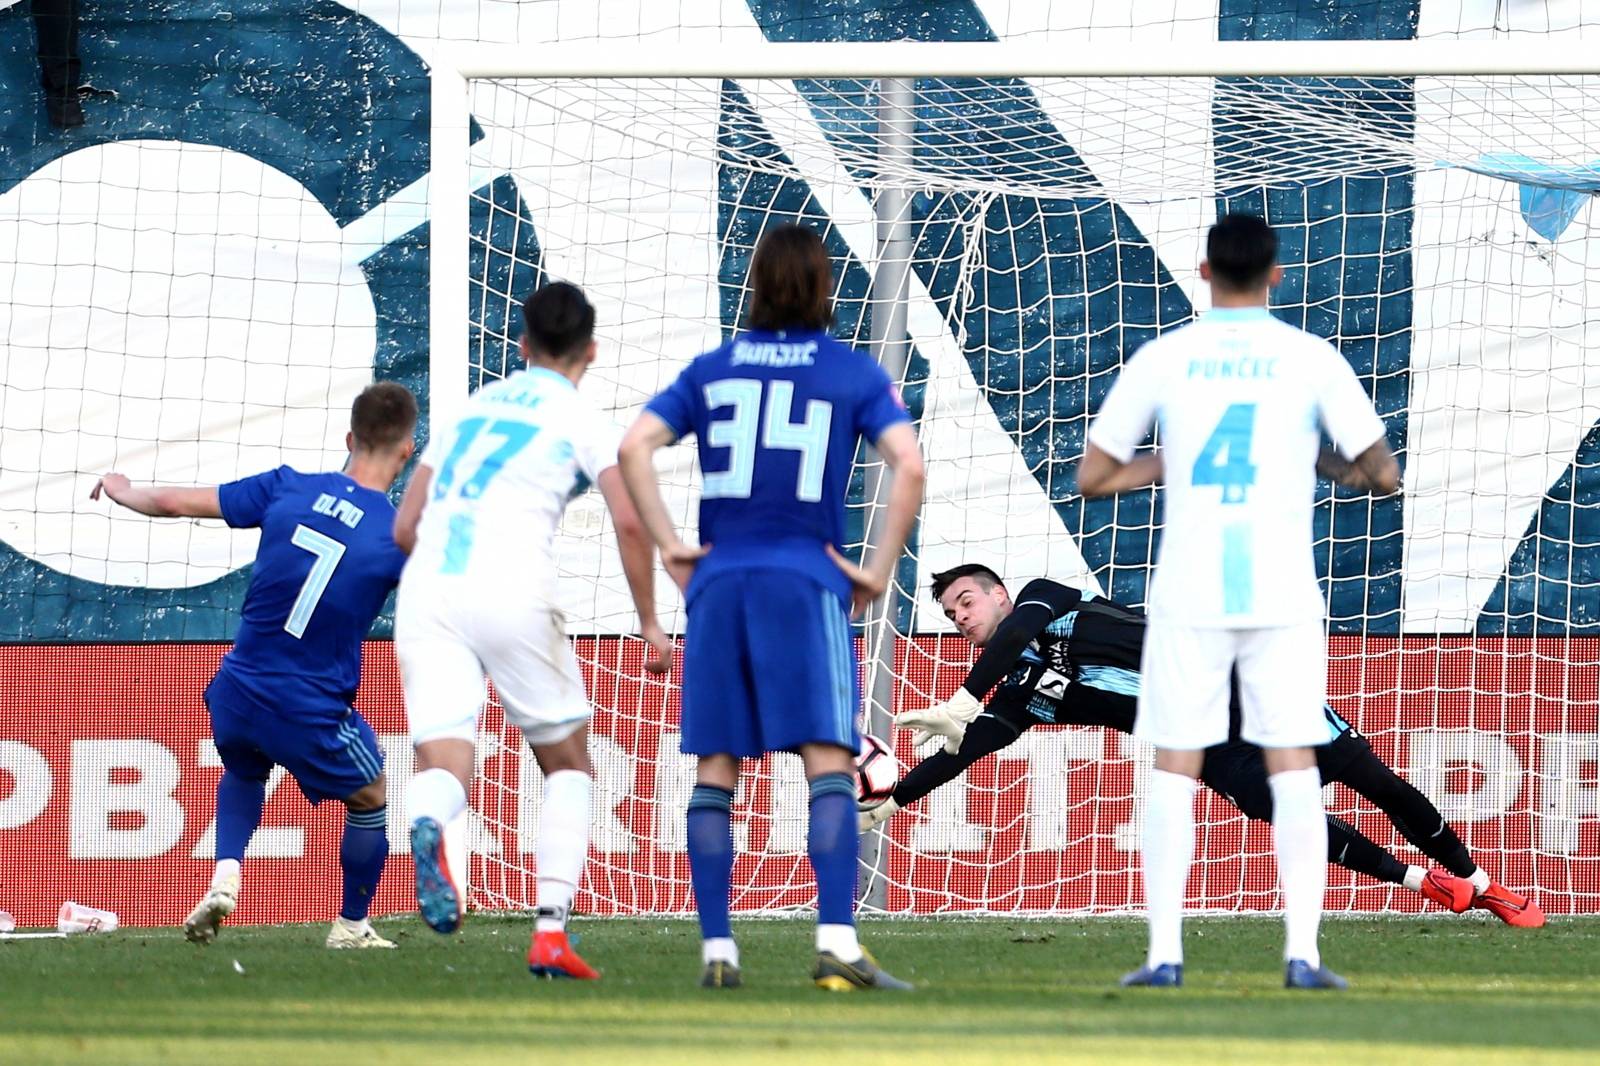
[
  {"x": 1041, "y": 602},
  {"x": 160, "y": 501},
  {"x": 638, "y": 566},
  {"x": 409, "y": 513},
  {"x": 1100, "y": 474},
  {"x": 897, "y": 446},
  {"x": 987, "y": 735},
  {"x": 636, "y": 460}
]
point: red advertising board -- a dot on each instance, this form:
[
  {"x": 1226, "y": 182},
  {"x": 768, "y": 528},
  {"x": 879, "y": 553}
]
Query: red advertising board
[{"x": 107, "y": 789}]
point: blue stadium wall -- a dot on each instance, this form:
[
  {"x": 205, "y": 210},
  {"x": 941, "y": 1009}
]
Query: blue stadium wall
[{"x": 275, "y": 79}]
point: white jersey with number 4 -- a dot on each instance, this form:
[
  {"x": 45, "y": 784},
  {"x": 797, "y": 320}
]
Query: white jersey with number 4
[
  {"x": 502, "y": 476},
  {"x": 1241, "y": 400}
]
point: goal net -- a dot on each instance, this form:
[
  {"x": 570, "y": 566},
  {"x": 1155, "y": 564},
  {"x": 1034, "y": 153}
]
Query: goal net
[{"x": 1436, "y": 227}]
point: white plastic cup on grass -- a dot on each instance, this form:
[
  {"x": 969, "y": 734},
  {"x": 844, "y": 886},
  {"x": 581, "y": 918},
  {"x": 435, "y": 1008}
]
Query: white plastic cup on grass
[{"x": 77, "y": 918}]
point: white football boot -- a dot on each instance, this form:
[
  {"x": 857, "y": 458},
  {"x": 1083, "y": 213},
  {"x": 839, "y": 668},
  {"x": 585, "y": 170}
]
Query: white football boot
[
  {"x": 360, "y": 935},
  {"x": 203, "y": 922}
]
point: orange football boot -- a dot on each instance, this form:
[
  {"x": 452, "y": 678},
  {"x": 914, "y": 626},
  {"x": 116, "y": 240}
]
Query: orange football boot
[
  {"x": 550, "y": 955},
  {"x": 1447, "y": 890},
  {"x": 1510, "y": 907}
]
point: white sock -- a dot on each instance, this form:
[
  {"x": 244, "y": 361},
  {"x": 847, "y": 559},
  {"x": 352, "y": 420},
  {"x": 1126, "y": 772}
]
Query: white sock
[
  {"x": 1414, "y": 876},
  {"x": 226, "y": 868},
  {"x": 435, "y": 794},
  {"x": 354, "y": 926},
  {"x": 1479, "y": 879},
  {"x": 1300, "y": 838},
  {"x": 563, "y": 846},
  {"x": 839, "y": 941},
  {"x": 719, "y": 949},
  {"x": 1166, "y": 850}
]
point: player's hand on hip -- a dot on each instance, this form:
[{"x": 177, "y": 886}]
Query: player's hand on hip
[
  {"x": 659, "y": 659},
  {"x": 112, "y": 485},
  {"x": 679, "y": 559},
  {"x": 865, "y": 586}
]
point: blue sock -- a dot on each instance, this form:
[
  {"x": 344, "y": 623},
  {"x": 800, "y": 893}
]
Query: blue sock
[
  {"x": 239, "y": 803},
  {"x": 710, "y": 830},
  {"x": 362, "y": 851},
  {"x": 832, "y": 845}
]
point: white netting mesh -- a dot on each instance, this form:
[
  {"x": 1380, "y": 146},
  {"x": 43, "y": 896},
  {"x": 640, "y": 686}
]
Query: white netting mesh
[{"x": 1437, "y": 228}]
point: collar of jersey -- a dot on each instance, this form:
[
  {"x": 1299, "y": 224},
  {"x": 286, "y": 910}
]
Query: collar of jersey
[
  {"x": 359, "y": 486},
  {"x": 546, "y": 372},
  {"x": 782, "y": 335},
  {"x": 1236, "y": 314}
]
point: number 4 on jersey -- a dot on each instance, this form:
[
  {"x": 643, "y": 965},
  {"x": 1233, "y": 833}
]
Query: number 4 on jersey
[{"x": 1225, "y": 459}]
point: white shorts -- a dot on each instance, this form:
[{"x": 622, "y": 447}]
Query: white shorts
[
  {"x": 1184, "y": 686},
  {"x": 447, "y": 636}
]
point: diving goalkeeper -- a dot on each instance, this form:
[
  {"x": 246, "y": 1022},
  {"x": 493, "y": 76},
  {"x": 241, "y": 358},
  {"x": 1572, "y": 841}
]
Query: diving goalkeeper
[{"x": 1059, "y": 655}]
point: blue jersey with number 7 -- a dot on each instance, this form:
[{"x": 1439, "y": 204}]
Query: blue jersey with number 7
[
  {"x": 326, "y": 563},
  {"x": 777, "y": 416}
]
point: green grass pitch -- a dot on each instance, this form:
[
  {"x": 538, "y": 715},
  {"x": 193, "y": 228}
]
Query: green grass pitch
[{"x": 990, "y": 991}]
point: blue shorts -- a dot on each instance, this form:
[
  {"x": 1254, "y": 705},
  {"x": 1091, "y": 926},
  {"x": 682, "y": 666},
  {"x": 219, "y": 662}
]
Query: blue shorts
[
  {"x": 330, "y": 756},
  {"x": 768, "y": 665}
]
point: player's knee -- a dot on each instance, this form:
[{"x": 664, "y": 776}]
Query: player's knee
[
  {"x": 369, "y": 797},
  {"x": 569, "y": 753},
  {"x": 822, "y": 759},
  {"x": 718, "y": 771}
]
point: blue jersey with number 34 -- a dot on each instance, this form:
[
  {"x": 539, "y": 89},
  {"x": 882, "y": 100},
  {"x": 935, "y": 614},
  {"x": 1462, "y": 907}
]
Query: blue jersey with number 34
[
  {"x": 326, "y": 563},
  {"x": 777, "y": 416}
]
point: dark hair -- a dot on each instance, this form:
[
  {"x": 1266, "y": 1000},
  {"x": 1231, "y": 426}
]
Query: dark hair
[
  {"x": 986, "y": 578},
  {"x": 383, "y": 416},
  {"x": 791, "y": 281},
  {"x": 559, "y": 320},
  {"x": 1241, "y": 250}
]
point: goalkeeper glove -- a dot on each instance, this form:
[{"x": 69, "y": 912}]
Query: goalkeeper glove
[
  {"x": 948, "y": 719},
  {"x": 870, "y": 817}
]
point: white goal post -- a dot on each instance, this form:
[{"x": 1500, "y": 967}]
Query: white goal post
[{"x": 1008, "y": 223}]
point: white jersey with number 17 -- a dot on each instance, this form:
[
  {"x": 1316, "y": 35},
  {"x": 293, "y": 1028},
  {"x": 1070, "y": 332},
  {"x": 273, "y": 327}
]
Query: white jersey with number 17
[
  {"x": 1241, "y": 400},
  {"x": 503, "y": 474}
]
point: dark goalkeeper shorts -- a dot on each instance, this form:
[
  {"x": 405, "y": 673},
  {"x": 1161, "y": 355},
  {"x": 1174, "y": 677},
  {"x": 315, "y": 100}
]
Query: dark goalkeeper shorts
[{"x": 1238, "y": 771}]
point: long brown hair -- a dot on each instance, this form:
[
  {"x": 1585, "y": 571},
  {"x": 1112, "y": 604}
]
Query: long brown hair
[{"x": 791, "y": 281}]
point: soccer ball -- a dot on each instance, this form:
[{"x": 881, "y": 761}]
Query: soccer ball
[{"x": 877, "y": 771}]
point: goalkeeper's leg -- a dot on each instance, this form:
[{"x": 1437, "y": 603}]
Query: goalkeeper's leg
[
  {"x": 1420, "y": 822},
  {"x": 1236, "y": 772},
  {"x": 1412, "y": 813}
]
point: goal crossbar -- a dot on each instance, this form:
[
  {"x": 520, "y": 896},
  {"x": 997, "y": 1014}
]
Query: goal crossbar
[{"x": 919, "y": 59}]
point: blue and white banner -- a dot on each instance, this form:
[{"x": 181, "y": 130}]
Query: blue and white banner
[{"x": 194, "y": 284}]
